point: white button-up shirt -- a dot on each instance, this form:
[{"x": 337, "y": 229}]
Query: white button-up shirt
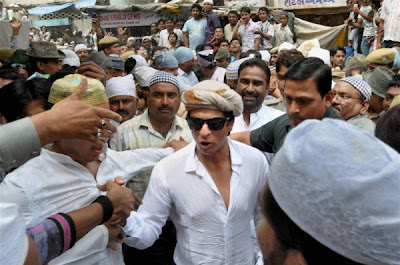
[
  {"x": 207, "y": 233},
  {"x": 264, "y": 115},
  {"x": 247, "y": 35},
  {"x": 53, "y": 183}
]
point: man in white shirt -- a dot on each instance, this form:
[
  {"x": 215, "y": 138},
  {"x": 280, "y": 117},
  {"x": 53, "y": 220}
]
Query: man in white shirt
[
  {"x": 266, "y": 30},
  {"x": 121, "y": 93},
  {"x": 44, "y": 34},
  {"x": 164, "y": 34},
  {"x": 253, "y": 85},
  {"x": 186, "y": 62},
  {"x": 77, "y": 167},
  {"x": 212, "y": 193},
  {"x": 233, "y": 18},
  {"x": 246, "y": 29}
]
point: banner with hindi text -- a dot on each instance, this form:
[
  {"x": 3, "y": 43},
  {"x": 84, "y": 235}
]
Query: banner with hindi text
[{"x": 305, "y": 4}]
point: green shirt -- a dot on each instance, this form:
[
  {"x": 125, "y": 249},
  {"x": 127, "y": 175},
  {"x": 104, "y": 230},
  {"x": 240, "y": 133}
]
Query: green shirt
[{"x": 269, "y": 137}]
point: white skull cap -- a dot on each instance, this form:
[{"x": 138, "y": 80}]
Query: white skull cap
[{"x": 349, "y": 198}]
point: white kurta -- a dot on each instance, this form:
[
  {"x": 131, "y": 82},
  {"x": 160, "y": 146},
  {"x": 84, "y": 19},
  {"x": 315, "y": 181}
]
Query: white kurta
[
  {"x": 264, "y": 115},
  {"x": 53, "y": 183},
  {"x": 207, "y": 233}
]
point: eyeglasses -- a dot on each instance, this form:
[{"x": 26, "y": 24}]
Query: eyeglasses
[
  {"x": 17, "y": 65},
  {"x": 214, "y": 124},
  {"x": 342, "y": 96}
]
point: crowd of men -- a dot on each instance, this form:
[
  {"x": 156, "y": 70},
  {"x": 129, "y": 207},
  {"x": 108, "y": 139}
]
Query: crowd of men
[{"x": 202, "y": 144}]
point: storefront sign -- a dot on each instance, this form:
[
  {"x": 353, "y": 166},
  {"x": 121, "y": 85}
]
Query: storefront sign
[
  {"x": 127, "y": 19},
  {"x": 302, "y": 4}
]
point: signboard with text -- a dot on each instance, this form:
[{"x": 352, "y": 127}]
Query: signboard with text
[
  {"x": 303, "y": 4},
  {"x": 127, "y": 19}
]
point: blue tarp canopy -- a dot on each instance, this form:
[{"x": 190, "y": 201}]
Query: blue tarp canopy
[{"x": 68, "y": 7}]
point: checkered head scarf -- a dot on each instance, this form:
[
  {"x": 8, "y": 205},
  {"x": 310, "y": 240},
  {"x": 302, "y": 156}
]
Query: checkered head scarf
[
  {"x": 360, "y": 85},
  {"x": 164, "y": 77}
]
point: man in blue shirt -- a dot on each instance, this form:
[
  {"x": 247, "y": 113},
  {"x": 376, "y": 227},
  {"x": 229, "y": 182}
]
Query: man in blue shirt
[{"x": 195, "y": 28}]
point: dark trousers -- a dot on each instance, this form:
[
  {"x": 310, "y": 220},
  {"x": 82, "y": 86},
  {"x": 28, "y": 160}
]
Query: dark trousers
[{"x": 160, "y": 253}]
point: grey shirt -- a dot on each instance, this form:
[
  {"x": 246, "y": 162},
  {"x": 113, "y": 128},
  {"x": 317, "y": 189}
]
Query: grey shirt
[
  {"x": 363, "y": 122},
  {"x": 19, "y": 142}
]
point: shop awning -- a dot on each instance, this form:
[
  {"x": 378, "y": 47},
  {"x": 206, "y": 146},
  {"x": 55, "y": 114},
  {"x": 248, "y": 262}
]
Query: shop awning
[{"x": 68, "y": 7}]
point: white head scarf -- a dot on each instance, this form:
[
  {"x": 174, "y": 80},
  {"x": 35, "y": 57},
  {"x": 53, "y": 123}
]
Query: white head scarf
[{"x": 121, "y": 86}]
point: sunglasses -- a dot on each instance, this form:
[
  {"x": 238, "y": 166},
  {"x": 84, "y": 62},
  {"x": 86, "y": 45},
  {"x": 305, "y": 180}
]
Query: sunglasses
[{"x": 214, "y": 124}]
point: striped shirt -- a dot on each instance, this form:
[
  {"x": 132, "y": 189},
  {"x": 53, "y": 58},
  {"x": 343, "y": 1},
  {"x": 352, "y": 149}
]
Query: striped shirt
[
  {"x": 391, "y": 15},
  {"x": 138, "y": 132}
]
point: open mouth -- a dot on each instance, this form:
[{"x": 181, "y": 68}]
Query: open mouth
[
  {"x": 98, "y": 150},
  {"x": 205, "y": 145}
]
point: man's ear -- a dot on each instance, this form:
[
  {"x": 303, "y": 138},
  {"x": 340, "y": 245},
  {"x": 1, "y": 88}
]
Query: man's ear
[
  {"x": 365, "y": 106},
  {"x": 39, "y": 65},
  {"x": 328, "y": 99}
]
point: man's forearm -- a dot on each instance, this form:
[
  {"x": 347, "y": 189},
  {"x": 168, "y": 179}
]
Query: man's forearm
[{"x": 243, "y": 137}]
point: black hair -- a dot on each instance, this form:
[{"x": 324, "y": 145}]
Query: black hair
[
  {"x": 395, "y": 82},
  {"x": 9, "y": 74},
  {"x": 160, "y": 20},
  {"x": 156, "y": 48},
  {"x": 359, "y": 68},
  {"x": 377, "y": 3},
  {"x": 313, "y": 68},
  {"x": 179, "y": 19},
  {"x": 208, "y": 45},
  {"x": 197, "y": 6},
  {"x": 199, "y": 48},
  {"x": 234, "y": 12},
  {"x": 170, "y": 19},
  {"x": 16, "y": 95},
  {"x": 290, "y": 236},
  {"x": 129, "y": 64},
  {"x": 287, "y": 58},
  {"x": 234, "y": 38},
  {"x": 335, "y": 49},
  {"x": 39, "y": 88},
  {"x": 245, "y": 9},
  {"x": 176, "y": 36},
  {"x": 12, "y": 98},
  {"x": 221, "y": 41},
  {"x": 154, "y": 23},
  {"x": 257, "y": 54},
  {"x": 388, "y": 128},
  {"x": 265, "y": 9},
  {"x": 255, "y": 62},
  {"x": 66, "y": 70}
]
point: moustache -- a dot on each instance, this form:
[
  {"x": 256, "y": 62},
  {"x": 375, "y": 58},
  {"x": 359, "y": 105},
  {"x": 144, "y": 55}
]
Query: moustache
[
  {"x": 250, "y": 94},
  {"x": 336, "y": 106},
  {"x": 164, "y": 108},
  {"x": 122, "y": 111}
]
